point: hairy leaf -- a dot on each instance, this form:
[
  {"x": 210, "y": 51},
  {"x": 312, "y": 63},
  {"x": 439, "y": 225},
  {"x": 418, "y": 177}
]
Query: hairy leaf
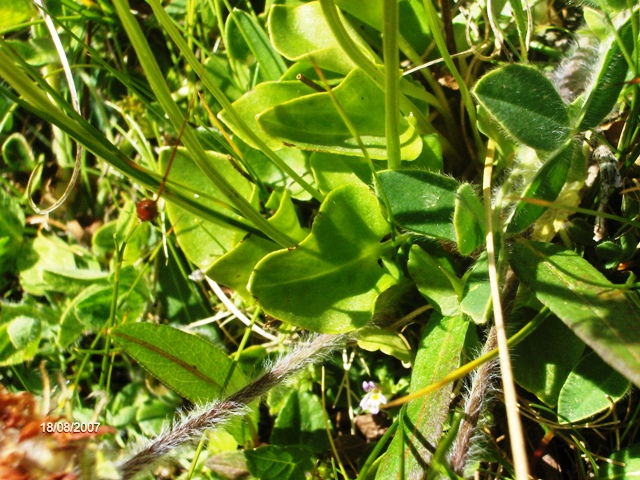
[
  {"x": 188, "y": 364},
  {"x": 597, "y": 312},
  {"x": 526, "y": 105},
  {"x": 438, "y": 354}
]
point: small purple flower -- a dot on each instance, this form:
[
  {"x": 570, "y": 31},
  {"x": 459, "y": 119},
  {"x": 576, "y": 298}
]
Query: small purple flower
[{"x": 373, "y": 399}]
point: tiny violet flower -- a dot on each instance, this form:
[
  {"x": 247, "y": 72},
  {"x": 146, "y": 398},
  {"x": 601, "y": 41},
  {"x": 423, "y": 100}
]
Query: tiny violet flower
[{"x": 373, "y": 399}]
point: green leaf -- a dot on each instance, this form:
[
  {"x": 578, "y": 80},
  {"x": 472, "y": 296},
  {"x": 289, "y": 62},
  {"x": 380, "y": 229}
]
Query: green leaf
[
  {"x": 624, "y": 464},
  {"x": 388, "y": 342},
  {"x": 191, "y": 366},
  {"x": 258, "y": 100},
  {"x": 331, "y": 170},
  {"x": 609, "y": 81},
  {"x": 39, "y": 255},
  {"x": 438, "y": 355},
  {"x": 20, "y": 333},
  {"x": 313, "y": 122},
  {"x": 546, "y": 185},
  {"x": 274, "y": 462},
  {"x": 11, "y": 229},
  {"x": 301, "y": 423},
  {"x": 301, "y": 34},
  {"x": 526, "y": 105},
  {"x": 15, "y": 12},
  {"x": 468, "y": 220},
  {"x": 477, "y": 291},
  {"x": 329, "y": 283},
  {"x": 591, "y": 388},
  {"x": 434, "y": 282},
  {"x": 234, "y": 268},
  {"x": 202, "y": 241},
  {"x": 542, "y": 361},
  {"x": 597, "y": 312},
  {"x": 244, "y": 37},
  {"x": 421, "y": 201}
]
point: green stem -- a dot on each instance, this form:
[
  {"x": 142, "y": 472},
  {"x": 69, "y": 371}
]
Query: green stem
[
  {"x": 196, "y": 151},
  {"x": 434, "y": 25},
  {"x": 391, "y": 82},
  {"x": 375, "y": 453},
  {"x": 356, "y": 56}
]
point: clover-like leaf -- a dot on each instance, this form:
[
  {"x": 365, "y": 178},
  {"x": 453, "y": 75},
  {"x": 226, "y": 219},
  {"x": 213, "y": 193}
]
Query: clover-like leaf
[{"x": 526, "y": 105}]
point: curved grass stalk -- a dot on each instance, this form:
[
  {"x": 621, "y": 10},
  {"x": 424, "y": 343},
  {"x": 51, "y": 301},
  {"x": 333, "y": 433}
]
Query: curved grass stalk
[
  {"x": 76, "y": 105},
  {"x": 196, "y": 151},
  {"x": 467, "y": 368},
  {"x": 166, "y": 22}
]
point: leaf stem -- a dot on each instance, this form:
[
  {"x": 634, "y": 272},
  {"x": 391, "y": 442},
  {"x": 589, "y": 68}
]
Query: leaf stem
[
  {"x": 391, "y": 82},
  {"x": 434, "y": 25}
]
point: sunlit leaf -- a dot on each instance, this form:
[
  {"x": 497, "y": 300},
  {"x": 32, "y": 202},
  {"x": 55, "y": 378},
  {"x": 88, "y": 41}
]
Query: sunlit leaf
[
  {"x": 313, "y": 122},
  {"x": 330, "y": 281},
  {"x": 438, "y": 354},
  {"x": 186, "y": 363}
]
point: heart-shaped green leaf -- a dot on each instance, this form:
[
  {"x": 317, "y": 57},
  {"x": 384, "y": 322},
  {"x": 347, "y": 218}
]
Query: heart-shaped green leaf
[
  {"x": 597, "y": 312},
  {"x": 526, "y": 105},
  {"x": 329, "y": 283},
  {"x": 313, "y": 122}
]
